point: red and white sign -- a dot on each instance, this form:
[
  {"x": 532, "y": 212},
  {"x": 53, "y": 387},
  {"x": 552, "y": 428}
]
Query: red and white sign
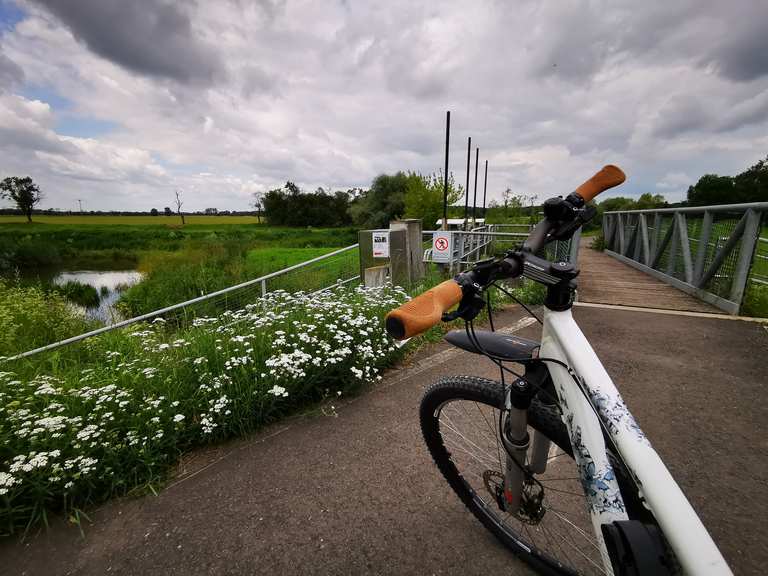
[{"x": 442, "y": 244}]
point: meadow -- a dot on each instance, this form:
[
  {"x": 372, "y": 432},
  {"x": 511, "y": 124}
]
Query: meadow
[
  {"x": 104, "y": 220},
  {"x": 177, "y": 263}
]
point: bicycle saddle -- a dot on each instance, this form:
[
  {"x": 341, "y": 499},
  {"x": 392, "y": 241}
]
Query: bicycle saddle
[{"x": 504, "y": 346}]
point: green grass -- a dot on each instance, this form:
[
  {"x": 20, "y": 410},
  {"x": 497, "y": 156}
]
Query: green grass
[
  {"x": 91, "y": 220},
  {"x": 31, "y": 316}
]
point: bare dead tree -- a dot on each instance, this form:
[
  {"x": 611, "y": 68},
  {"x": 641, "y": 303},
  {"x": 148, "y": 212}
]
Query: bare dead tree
[
  {"x": 258, "y": 203},
  {"x": 179, "y": 204}
]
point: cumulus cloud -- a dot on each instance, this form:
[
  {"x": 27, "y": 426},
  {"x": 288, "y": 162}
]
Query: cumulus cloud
[
  {"x": 223, "y": 98},
  {"x": 151, "y": 37}
]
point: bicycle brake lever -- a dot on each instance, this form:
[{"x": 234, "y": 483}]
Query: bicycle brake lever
[{"x": 469, "y": 307}]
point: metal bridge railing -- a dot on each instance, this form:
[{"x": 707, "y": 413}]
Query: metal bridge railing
[
  {"x": 710, "y": 252},
  {"x": 469, "y": 247},
  {"x": 326, "y": 272}
]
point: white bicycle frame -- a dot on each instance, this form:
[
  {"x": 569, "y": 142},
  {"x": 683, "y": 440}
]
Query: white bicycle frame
[{"x": 693, "y": 546}]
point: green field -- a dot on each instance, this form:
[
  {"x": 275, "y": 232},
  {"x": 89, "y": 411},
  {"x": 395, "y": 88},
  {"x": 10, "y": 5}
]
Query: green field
[
  {"x": 172, "y": 221},
  {"x": 178, "y": 263}
]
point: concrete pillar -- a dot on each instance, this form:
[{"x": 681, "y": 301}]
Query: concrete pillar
[{"x": 414, "y": 247}]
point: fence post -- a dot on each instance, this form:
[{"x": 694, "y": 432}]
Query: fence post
[
  {"x": 685, "y": 246},
  {"x": 701, "y": 252},
  {"x": 620, "y": 232},
  {"x": 746, "y": 253}
]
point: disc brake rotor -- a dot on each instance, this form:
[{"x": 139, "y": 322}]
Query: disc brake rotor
[{"x": 531, "y": 510}]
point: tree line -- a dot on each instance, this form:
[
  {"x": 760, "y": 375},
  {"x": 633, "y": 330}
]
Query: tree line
[{"x": 413, "y": 195}]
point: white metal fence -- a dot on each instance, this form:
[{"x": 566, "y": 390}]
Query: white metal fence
[{"x": 338, "y": 268}]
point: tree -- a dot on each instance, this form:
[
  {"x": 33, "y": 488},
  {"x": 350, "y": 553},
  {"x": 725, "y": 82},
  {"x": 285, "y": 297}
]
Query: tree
[
  {"x": 289, "y": 206},
  {"x": 712, "y": 189},
  {"x": 167, "y": 211},
  {"x": 424, "y": 197},
  {"x": 179, "y": 204},
  {"x": 153, "y": 212},
  {"x": 752, "y": 184},
  {"x": 383, "y": 202},
  {"x": 23, "y": 191},
  {"x": 258, "y": 203},
  {"x": 513, "y": 203},
  {"x": 648, "y": 201},
  {"x": 749, "y": 186}
]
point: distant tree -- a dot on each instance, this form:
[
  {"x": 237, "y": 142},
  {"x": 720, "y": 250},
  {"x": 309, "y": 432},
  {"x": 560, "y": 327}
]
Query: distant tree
[
  {"x": 153, "y": 212},
  {"x": 752, "y": 184},
  {"x": 258, "y": 203},
  {"x": 424, "y": 197},
  {"x": 712, "y": 189},
  {"x": 167, "y": 211},
  {"x": 513, "y": 203},
  {"x": 179, "y": 204},
  {"x": 289, "y": 206},
  {"x": 384, "y": 201},
  {"x": 23, "y": 191},
  {"x": 749, "y": 186},
  {"x": 211, "y": 211},
  {"x": 617, "y": 203},
  {"x": 648, "y": 201}
]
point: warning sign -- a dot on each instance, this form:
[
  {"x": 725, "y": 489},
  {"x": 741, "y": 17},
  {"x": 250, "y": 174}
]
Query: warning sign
[
  {"x": 442, "y": 246},
  {"x": 381, "y": 244}
]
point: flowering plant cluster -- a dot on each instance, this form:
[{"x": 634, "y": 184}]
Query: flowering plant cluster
[{"x": 88, "y": 429}]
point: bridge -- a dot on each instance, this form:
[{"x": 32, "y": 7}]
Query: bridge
[{"x": 350, "y": 489}]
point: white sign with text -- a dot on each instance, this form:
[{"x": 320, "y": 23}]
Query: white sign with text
[{"x": 381, "y": 244}]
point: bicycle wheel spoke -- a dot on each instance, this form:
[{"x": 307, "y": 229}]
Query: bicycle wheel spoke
[
  {"x": 493, "y": 431},
  {"x": 460, "y": 435},
  {"x": 579, "y": 530}
]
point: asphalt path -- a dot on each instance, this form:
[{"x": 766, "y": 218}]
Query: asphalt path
[{"x": 352, "y": 490}]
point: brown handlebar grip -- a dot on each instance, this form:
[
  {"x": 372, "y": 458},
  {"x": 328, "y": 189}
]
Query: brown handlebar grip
[
  {"x": 424, "y": 311},
  {"x": 608, "y": 177}
]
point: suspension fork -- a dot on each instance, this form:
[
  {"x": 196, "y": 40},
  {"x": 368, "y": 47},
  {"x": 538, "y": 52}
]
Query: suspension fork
[{"x": 515, "y": 438}]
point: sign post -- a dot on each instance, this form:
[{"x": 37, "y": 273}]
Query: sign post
[{"x": 442, "y": 246}]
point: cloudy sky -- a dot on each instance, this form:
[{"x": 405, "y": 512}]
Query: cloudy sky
[{"x": 118, "y": 103}]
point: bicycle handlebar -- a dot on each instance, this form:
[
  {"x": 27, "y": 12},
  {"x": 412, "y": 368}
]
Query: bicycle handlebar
[
  {"x": 426, "y": 310},
  {"x": 608, "y": 177}
]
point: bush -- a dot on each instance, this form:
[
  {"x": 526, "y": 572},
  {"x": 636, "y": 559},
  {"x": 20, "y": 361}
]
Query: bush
[
  {"x": 74, "y": 433},
  {"x": 598, "y": 242},
  {"x": 31, "y": 317}
]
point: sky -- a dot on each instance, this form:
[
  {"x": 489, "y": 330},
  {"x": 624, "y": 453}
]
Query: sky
[{"x": 121, "y": 103}]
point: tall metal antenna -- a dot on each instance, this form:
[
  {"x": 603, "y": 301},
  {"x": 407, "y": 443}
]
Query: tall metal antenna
[
  {"x": 445, "y": 176},
  {"x": 474, "y": 200},
  {"x": 485, "y": 186},
  {"x": 466, "y": 189}
]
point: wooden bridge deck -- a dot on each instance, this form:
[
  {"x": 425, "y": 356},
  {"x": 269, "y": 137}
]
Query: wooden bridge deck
[{"x": 605, "y": 280}]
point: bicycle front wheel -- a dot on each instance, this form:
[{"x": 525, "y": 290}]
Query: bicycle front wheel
[{"x": 460, "y": 421}]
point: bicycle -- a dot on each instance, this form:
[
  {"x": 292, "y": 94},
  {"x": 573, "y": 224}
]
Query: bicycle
[{"x": 588, "y": 471}]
